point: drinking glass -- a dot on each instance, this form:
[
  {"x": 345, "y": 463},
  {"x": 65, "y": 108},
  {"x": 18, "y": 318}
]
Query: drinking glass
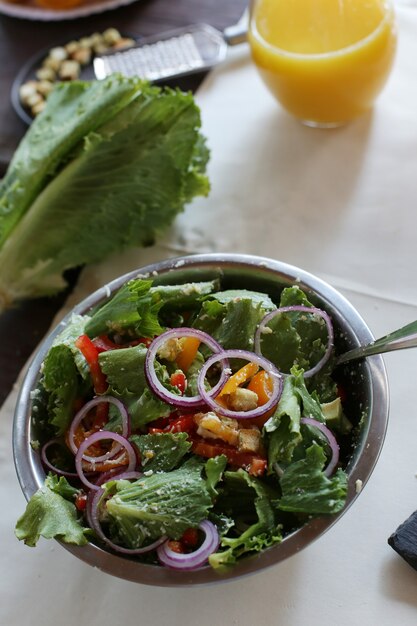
[{"x": 325, "y": 61}]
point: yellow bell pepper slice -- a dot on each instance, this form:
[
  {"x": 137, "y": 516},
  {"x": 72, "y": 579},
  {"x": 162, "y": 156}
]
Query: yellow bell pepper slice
[
  {"x": 188, "y": 353},
  {"x": 239, "y": 378}
]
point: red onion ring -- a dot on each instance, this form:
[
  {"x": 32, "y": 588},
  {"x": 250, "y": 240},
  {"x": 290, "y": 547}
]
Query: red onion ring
[
  {"x": 94, "y": 522},
  {"x": 49, "y": 465},
  {"x": 98, "y": 436},
  {"x": 253, "y": 358},
  {"x": 334, "y": 446},
  {"x": 155, "y": 384},
  {"x": 83, "y": 412},
  {"x": 193, "y": 560},
  {"x": 302, "y": 309}
]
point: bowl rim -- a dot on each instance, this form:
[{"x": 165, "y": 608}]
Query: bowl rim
[{"x": 31, "y": 474}]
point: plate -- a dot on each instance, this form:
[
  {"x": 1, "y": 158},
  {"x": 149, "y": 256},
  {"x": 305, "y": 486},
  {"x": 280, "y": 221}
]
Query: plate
[
  {"x": 32, "y": 12},
  {"x": 28, "y": 72}
]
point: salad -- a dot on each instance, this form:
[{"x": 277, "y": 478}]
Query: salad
[{"x": 188, "y": 425}]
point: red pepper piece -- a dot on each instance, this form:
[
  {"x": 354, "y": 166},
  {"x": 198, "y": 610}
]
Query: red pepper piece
[
  {"x": 253, "y": 463},
  {"x": 179, "y": 380},
  {"x": 81, "y": 501},
  {"x": 176, "y": 546},
  {"x": 91, "y": 352},
  {"x": 190, "y": 538}
]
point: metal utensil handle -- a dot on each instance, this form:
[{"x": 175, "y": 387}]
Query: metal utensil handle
[
  {"x": 238, "y": 33},
  {"x": 405, "y": 337}
]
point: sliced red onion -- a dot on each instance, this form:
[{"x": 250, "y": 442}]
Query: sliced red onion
[
  {"x": 49, "y": 465},
  {"x": 193, "y": 560},
  {"x": 300, "y": 309},
  {"x": 81, "y": 415},
  {"x": 99, "y": 436},
  {"x": 154, "y": 382},
  {"x": 334, "y": 446},
  {"x": 94, "y": 521},
  {"x": 253, "y": 358}
]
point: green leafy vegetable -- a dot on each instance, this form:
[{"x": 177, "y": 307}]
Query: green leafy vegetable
[
  {"x": 232, "y": 324},
  {"x": 263, "y": 532},
  {"x": 305, "y": 488},
  {"x": 136, "y": 306},
  {"x": 49, "y": 513},
  {"x": 60, "y": 380},
  {"x": 214, "y": 472},
  {"x": 131, "y": 308},
  {"x": 125, "y": 370},
  {"x": 161, "y": 452},
  {"x": 102, "y": 168},
  {"x": 163, "y": 503}
]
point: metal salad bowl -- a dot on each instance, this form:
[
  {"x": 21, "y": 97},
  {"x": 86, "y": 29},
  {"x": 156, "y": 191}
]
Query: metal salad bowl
[{"x": 365, "y": 383}]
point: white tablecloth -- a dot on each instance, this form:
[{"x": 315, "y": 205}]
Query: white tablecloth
[{"x": 341, "y": 204}]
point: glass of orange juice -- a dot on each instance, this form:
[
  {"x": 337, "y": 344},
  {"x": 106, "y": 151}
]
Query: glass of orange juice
[{"x": 324, "y": 60}]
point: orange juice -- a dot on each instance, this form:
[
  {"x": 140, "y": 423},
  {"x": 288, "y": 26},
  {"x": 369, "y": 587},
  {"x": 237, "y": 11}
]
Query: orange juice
[{"x": 324, "y": 60}]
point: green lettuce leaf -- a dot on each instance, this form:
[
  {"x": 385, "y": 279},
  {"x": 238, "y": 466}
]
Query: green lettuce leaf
[
  {"x": 297, "y": 338},
  {"x": 60, "y": 379},
  {"x": 50, "y": 513},
  {"x": 146, "y": 409},
  {"x": 136, "y": 306},
  {"x": 305, "y": 488},
  {"x": 232, "y": 324},
  {"x": 257, "y": 297},
  {"x": 125, "y": 372},
  {"x": 68, "y": 336},
  {"x": 124, "y": 369},
  {"x": 161, "y": 452},
  {"x": 74, "y": 109},
  {"x": 284, "y": 426},
  {"x": 131, "y": 308},
  {"x": 163, "y": 503},
  {"x": 263, "y": 532},
  {"x": 214, "y": 472},
  {"x": 123, "y": 186}
]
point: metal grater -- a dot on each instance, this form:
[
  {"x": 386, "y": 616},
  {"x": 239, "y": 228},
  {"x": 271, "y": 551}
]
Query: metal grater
[{"x": 174, "y": 53}]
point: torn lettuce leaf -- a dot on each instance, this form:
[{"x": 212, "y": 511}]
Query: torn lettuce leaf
[
  {"x": 161, "y": 504},
  {"x": 136, "y": 306},
  {"x": 161, "y": 452},
  {"x": 246, "y": 494},
  {"x": 257, "y": 297},
  {"x": 232, "y": 324},
  {"x": 68, "y": 336},
  {"x": 283, "y": 427},
  {"x": 131, "y": 308},
  {"x": 306, "y": 489},
  {"x": 214, "y": 469},
  {"x": 295, "y": 338},
  {"x": 50, "y": 513},
  {"x": 124, "y": 369},
  {"x": 61, "y": 380}
]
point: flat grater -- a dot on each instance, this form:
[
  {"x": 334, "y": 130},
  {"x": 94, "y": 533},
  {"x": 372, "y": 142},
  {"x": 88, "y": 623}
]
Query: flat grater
[{"x": 174, "y": 53}]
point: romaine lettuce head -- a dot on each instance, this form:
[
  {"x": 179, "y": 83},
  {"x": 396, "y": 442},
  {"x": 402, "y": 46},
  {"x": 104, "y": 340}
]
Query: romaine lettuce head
[{"x": 111, "y": 179}]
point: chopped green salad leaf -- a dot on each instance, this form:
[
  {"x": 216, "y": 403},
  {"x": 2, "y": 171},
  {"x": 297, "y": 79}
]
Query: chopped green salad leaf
[
  {"x": 50, "y": 513},
  {"x": 163, "y": 503}
]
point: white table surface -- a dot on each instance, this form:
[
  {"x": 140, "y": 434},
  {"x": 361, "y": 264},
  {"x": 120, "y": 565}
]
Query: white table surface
[{"x": 341, "y": 204}]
